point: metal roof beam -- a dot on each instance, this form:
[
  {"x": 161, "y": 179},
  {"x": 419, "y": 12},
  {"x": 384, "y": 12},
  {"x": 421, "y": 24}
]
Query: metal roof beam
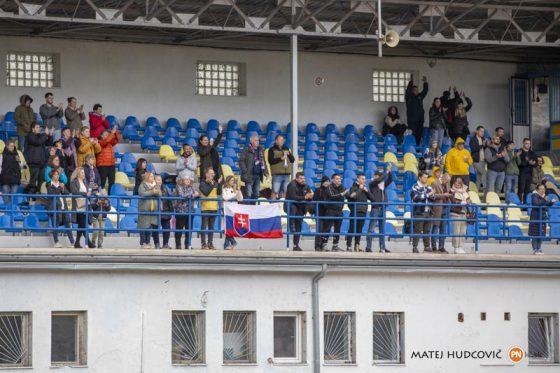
[
  {"x": 458, "y": 17},
  {"x": 469, "y": 5}
]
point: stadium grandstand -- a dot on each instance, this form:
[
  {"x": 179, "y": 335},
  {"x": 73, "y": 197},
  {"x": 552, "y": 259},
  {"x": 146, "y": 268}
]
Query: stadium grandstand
[{"x": 178, "y": 177}]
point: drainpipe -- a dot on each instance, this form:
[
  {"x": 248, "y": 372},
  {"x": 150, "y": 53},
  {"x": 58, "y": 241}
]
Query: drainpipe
[{"x": 315, "y": 311}]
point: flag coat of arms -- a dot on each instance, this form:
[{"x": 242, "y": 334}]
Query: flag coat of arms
[{"x": 253, "y": 221}]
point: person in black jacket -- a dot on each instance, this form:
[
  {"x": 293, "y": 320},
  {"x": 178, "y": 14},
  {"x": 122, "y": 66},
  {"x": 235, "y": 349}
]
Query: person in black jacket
[
  {"x": 477, "y": 144},
  {"x": 377, "y": 188},
  {"x": 415, "y": 108},
  {"x": 10, "y": 176},
  {"x": 360, "y": 197},
  {"x": 209, "y": 157},
  {"x": 166, "y": 207},
  {"x": 528, "y": 162},
  {"x": 58, "y": 208},
  {"x": 321, "y": 194},
  {"x": 299, "y": 192},
  {"x": 139, "y": 171},
  {"x": 36, "y": 155},
  {"x": 539, "y": 217},
  {"x": 460, "y": 126},
  {"x": 335, "y": 193},
  {"x": 438, "y": 121}
]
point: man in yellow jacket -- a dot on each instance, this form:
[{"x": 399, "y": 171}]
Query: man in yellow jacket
[{"x": 458, "y": 161}]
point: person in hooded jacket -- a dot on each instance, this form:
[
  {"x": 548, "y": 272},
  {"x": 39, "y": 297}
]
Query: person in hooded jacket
[
  {"x": 209, "y": 157},
  {"x": 24, "y": 118},
  {"x": 97, "y": 121},
  {"x": 10, "y": 174},
  {"x": 457, "y": 162},
  {"x": 36, "y": 155},
  {"x": 378, "y": 189}
]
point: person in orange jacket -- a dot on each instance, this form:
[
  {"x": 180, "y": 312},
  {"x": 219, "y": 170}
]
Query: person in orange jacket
[{"x": 106, "y": 157}]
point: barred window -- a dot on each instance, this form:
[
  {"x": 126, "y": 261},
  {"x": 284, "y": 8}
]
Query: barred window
[
  {"x": 15, "y": 339},
  {"x": 543, "y": 338},
  {"x": 220, "y": 79},
  {"x": 239, "y": 337},
  {"x": 339, "y": 338},
  {"x": 187, "y": 337},
  {"x": 31, "y": 70},
  {"x": 69, "y": 338},
  {"x": 389, "y": 86},
  {"x": 388, "y": 337}
]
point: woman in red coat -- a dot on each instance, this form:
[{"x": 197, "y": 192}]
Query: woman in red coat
[
  {"x": 106, "y": 157},
  {"x": 97, "y": 121}
]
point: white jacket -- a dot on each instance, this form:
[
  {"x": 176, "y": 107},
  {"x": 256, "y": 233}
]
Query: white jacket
[{"x": 229, "y": 194}]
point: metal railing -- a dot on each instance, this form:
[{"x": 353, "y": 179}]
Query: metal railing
[{"x": 398, "y": 225}]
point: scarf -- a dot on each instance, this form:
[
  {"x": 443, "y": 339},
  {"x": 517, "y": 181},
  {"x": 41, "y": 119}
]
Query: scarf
[
  {"x": 259, "y": 156},
  {"x": 69, "y": 149},
  {"x": 460, "y": 194}
]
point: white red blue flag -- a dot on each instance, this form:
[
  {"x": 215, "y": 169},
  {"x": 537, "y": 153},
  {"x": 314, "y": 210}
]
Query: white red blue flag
[{"x": 253, "y": 221}]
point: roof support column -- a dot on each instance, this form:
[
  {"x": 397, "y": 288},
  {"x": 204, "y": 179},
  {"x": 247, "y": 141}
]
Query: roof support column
[{"x": 294, "y": 98}]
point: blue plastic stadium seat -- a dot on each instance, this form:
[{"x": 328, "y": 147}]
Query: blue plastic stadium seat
[
  {"x": 129, "y": 158},
  {"x": 130, "y": 133},
  {"x": 349, "y": 174},
  {"x": 329, "y": 172},
  {"x": 171, "y": 132},
  {"x": 254, "y": 126},
  {"x": 192, "y": 142},
  {"x": 231, "y": 153},
  {"x": 350, "y": 128},
  {"x": 347, "y": 182},
  {"x": 192, "y": 133},
  {"x": 330, "y": 165},
  {"x": 148, "y": 143},
  {"x": 331, "y": 128},
  {"x": 195, "y": 124},
  {"x": 350, "y": 147},
  {"x": 117, "y": 190},
  {"x": 390, "y": 139},
  {"x": 272, "y": 126},
  {"x": 311, "y": 137},
  {"x": 409, "y": 149},
  {"x": 171, "y": 142},
  {"x": 369, "y": 130},
  {"x": 311, "y": 155},
  {"x": 250, "y": 134},
  {"x": 312, "y": 146},
  {"x": 233, "y": 135},
  {"x": 113, "y": 121},
  {"x": 228, "y": 161},
  {"x": 173, "y": 122},
  {"x": 31, "y": 222},
  {"x": 370, "y": 166},
  {"x": 128, "y": 224},
  {"x": 309, "y": 173},
  {"x": 312, "y": 128},
  {"x": 153, "y": 122},
  {"x": 151, "y": 131},
  {"x": 310, "y": 164},
  {"x": 350, "y": 156},
  {"x": 371, "y": 148},
  {"x": 127, "y": 168},
  {"x": 352, "y": 137},
  {"x": 9, "y": 117},
  {"x": 233, "y": 125},
  {"x": 350, "y": 165},
  {"x": 331, "y": 156},
  {"x": 132, "y": 121},
  {"x": 409, "y": 140},
  {"x": 371, "y": 157},
  {"x": 212, "y": 124},
  {"x": 331, "y": 137},
  {"x": 231, "y": 143},
  {"x": 331, "y": 147},
  {"x": 388, "y": 148},
  {"x": 212, "y": 134}
]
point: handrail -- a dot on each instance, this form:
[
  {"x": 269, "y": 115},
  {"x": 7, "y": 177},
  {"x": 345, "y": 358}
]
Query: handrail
[{"x": 497, "y": 227}]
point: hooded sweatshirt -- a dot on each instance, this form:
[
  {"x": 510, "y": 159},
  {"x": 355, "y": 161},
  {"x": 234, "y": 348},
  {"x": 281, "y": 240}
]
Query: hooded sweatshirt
[{"x": 455, "y": 163}]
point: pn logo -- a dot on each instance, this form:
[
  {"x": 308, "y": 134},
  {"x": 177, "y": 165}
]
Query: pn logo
[{"x": 516, "y": 354}]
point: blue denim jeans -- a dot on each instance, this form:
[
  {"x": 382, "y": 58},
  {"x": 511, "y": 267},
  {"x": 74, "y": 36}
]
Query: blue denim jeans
[
  {"x": 375, "y": 217},
  {"x": 511, "y": 185},
  {"x": 9, "y": 189},
  {"x": 437, "y": 135},
  {"x": 440, "y": 228},
  {"x": 494, "y": 181},
  {"x": 229, "y": 241},
  {"x": 280, "y": 183},
  {"x": 253, "y": 188},
  {"x": 21, "y": 142}
]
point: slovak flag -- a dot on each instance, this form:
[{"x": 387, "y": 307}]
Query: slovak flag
[{"x": 253, "y": 221}]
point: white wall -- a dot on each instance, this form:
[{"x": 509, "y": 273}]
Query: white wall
[
  {"x": 115, "y": 301},
  {"x": 159, "y": 80}
]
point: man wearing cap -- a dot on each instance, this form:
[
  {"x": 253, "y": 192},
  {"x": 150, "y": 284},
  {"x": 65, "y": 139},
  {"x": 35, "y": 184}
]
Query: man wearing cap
[
  {"x": 457, "y": 161},
  {"x": 377, "y": 188}
]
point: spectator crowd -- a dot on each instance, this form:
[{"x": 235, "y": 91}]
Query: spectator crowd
[{"x": 79, "y": 160}]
